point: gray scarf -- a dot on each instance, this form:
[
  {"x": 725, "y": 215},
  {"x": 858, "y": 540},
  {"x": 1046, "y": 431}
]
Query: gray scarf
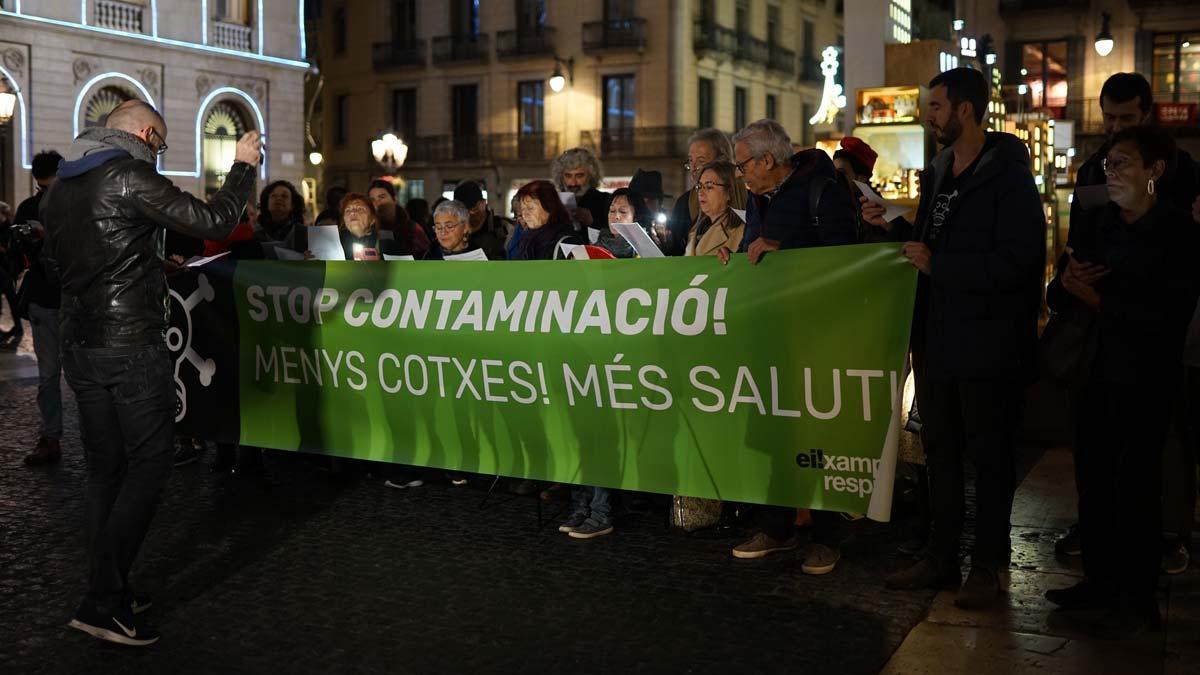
[{"x": 96, "y": 139}]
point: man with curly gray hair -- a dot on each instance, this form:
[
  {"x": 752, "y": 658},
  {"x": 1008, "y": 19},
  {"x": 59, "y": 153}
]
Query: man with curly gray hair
[{"x": 578, "y": 171}]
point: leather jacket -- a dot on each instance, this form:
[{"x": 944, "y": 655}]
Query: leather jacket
[{"x": 105, "y": 241}]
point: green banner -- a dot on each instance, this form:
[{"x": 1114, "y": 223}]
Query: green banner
[{"x": 771, "y": 384}]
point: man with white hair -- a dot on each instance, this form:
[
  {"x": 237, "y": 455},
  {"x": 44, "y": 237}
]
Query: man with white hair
[
  {"x": 106, "y": 216},
  {"x": 578, "y": 171},
  {"x": 795, "y": 202}
]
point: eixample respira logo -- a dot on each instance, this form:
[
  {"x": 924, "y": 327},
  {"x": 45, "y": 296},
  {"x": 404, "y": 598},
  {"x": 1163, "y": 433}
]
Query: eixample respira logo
[
  {"x": 179, "y": 341},
  {"x": 863, "y": 484}
]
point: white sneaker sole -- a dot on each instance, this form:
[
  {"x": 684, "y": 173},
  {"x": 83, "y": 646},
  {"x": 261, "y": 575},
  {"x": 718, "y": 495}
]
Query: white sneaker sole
[
  {"x": 816, "y": 571},
  {"x": 575, "y": 534},
  {"x": 405, "y": 485},
  {"x": 752, "y": 555},
  {"x": 108, "y": 635}
]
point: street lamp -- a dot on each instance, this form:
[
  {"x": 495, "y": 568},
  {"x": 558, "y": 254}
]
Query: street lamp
[
  {"x": 557, "y": 79},
  {"x": 389, "y": 151},
  {"x": 8, "y": 102},
  {"x": 315, "y": 158},
  {"x": 1104, "y": 39}
]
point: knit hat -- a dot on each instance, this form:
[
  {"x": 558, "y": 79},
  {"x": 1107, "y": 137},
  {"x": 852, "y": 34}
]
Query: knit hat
[{"x": 861, "y": 156}]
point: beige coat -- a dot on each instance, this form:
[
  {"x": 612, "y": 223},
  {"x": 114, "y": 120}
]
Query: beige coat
[{"x": 726, "y": 232}]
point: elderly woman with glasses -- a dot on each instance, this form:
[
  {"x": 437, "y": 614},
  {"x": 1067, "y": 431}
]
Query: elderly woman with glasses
[
  {"x": 1129, "y": 274},
  {"x": 452, "y": 228},
  {"x": 360, "y": 230},
  {"x": 704, "y": 147},
  {"x": 718, "y": 225}
]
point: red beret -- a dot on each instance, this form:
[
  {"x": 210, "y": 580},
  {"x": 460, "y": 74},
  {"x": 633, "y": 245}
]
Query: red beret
[{"x": 858, "y": 149}]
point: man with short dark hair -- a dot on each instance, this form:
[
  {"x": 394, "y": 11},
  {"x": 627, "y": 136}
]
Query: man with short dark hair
[
  {"x": 43, "y": 300},
  {"x": 979, "y": 244},
  {"x": 106, "y": 216},
  {"x": 488, "y": 231}
]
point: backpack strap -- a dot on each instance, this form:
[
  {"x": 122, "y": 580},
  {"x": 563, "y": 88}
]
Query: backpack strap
[{"x": 816, "y": 188}]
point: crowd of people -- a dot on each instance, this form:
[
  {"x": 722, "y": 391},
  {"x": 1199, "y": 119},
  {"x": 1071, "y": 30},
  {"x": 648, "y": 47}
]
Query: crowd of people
[{"x": 1123, "y": 338}]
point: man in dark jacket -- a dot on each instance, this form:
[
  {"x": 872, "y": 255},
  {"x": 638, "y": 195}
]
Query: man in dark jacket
[
  {"x": 979, "y": 245},
  {"x": 578, "y": 171},
  {"x": 488, "y": 231},
  {"x": 43, "y": 299},
  {"x": 105, "y": 218},
  {"x": 794, "y": 203}
]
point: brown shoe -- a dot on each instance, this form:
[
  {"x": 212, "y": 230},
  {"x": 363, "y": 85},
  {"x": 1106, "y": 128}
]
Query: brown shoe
[
  {"x": 925, "y": 573},
  {"x": 45, "y": 452}
]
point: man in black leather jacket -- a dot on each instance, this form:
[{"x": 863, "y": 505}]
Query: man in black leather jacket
[{"x": 106, "y": 216}]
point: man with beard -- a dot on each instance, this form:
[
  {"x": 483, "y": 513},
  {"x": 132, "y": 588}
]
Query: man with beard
[
  {"x": 410, "y": 237},
  {"x": 979, "y": 244},
  {"x": 578, "y": 171}
]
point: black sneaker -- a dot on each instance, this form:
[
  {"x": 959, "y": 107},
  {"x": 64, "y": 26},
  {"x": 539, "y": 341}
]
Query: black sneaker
[
  {"x": 980, "y": 590},
  {"x": 1083, "y": 595},
  {"x": 187, "y": 453},
  {"x": 575, "y": 521},
  {"x": 121, "y": 629}
]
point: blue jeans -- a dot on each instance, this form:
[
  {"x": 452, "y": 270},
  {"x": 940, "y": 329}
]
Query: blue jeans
[
  {"x": 593, "y": 502},
  {"x": 126, "y": 398},
  {"x": 47, "y": 346}
]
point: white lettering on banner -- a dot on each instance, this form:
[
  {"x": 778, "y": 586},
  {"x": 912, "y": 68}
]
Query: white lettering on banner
[
  {"x": 634, "y": 311},
  {"x": 615, "y": 384}
]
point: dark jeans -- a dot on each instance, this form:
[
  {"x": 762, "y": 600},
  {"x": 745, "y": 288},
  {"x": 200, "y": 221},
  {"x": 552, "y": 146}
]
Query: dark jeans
[
  {"x": 980, "y": 417},
  {"x": 1179, "y": 462},
  {"x": 47, "y": 347},
  {"x": 1120, "y": 433},
  {"x": 593, "y": 502},
  {"x": 126, "y": 398},
  {"x": 779, "y": 522}
]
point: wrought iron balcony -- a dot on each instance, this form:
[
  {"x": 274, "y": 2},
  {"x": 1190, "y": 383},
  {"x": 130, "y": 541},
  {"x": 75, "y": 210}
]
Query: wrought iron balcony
[
  {"x": 529, "y": 41},
  {"x": 810, "y": 69},
  {"x": 615, "y": 34},
  {"x": 1014, "y": 7},
  {"x": 637, "y": 143},
  {"x": 709, "y": 39},
  {"x": 449, "y": 49},
  {"x": 445, "y": 149},
  {"x": 752, "y": 50},
  {"x": 781, "y": 60},
  {"x": 537, "y": 147},
  {"x": 386, "y": 55}
]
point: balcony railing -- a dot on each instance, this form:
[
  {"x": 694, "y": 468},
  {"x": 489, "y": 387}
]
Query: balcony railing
[
  {"x": 781, "y": 60},
  {"x": 429, "y": 150},
  {"x": 752, "y": 50},
  {"x": 712, "y": 40},
  {"x": 231, "y": 35},
  {"x": 122, "y": 16},
  {"x": 637, "y": 143},
  {"x": 460, "y": 49},
  {"x": 529, "y": 41},
  {"x": 599, "y": 36},
  {"x": 1011, "y": 7},
  {"x": 810, "y": 69},
  {"x": 386, "y": 55}
]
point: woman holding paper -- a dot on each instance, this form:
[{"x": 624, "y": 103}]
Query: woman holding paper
[
  {"x": 452, "y": 227},
  {"x": 625, "y": 206},
  {"x": 547, "y": 223},
  {"x": 718, "y": 226},
  {"x": 359, "y": 234}
]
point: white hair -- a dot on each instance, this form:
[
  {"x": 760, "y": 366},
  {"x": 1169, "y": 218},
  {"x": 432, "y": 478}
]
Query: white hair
[
  {"x": 766, "y": 137},
  {"x": 716, "y": 138},
  {"x": 454, "y": 208}
]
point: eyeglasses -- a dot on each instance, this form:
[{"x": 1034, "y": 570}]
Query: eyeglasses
[
  {"x": 446, "y": 228},
  {"x": 162, "y": 142},
  {"x": 1115, "y": 164},
  {"x": 694, "y": 164},
  {"x": 709, "y": 186},
  {"x": 741, "y": 166}
]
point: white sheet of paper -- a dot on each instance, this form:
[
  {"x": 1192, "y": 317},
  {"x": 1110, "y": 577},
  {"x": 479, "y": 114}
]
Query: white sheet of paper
[
  {"x": 388, "y": 256},
  {"x": 593, "y": 235},
  {"x": 387, "y": 234},
  {"x": 577, "y": 250},
  {"x": 891, "y": 211},
  {"x": 741, "y": 213},
  {"x": 477, "y": 254},
  {"x": 287, "y": 254},
  {"x": 196, "y": 261},
  {"x": 641, "y": 242},
  {"x": 1091, "y": 196},
  {"x": 567, "y": 199},
  {"x": 324, "y": 242}
]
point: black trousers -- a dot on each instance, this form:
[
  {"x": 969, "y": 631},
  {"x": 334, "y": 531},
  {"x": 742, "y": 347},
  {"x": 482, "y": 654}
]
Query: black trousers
[
  {"x": 778, "y": 522},
  {"x": 980, "y": 417},
  {"x": 9, "y": 291},
  {"x": 1120, "y": 433},
  {"x": 126, "y": 399}
]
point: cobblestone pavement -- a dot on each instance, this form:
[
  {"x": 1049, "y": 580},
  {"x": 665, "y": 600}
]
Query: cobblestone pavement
[{"x": 312, "y": 572}]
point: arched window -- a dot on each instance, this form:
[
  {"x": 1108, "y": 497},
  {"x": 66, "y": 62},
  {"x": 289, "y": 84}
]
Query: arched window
[
  {"x": 223, "y": 126},
  {"x": 103, "y": 102}
]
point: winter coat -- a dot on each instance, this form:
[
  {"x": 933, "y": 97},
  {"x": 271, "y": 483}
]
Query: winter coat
[
  {"x": 786, "y": 215},
  {"x": 706, "y": 238}
]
